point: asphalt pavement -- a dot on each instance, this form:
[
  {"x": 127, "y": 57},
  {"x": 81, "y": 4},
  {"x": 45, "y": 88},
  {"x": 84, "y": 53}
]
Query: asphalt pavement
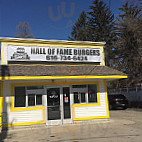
[{"x": 123, "y": 125}]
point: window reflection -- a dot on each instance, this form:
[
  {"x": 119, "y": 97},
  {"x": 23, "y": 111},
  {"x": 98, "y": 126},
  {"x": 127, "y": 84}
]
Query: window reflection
[{"x": 92, "y": 93}]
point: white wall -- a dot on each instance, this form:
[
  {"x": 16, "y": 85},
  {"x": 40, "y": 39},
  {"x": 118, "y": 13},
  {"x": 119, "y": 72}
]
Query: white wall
[
  {"x": 37, "y": 115},
  {"x": 17, "y": 116},
  {"x": 92, "y": 111}
]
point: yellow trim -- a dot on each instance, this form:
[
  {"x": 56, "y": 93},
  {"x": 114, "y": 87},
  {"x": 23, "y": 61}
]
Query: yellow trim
[
  {"x": 6, "y": 42},
  {"x": 73, "y": 112},
  {"x": 106, "y": 98},
  {"x": 103, "y": 57},
  {"x": 63, "y": 77},
  {"x": 49, "y": 42},
  {"x": 93, "y": 104},
  {"x": 1, "y": 102},
  {"x": 88, "y": 104},
  {"x": 25, "y": 108},
  {"x": 2, "y": 55},
  {"x": 40, "y": 83},
  {"x": 34, "y": 108},
  {"x": 73, "y": 107},
  {"x": 20, "y": 108},
  {"x": 88, "y": 118},
  {"x": 57, "y": 64},
  {"x": 24, "y": 123},
  {"x": 43, "y": 115}
]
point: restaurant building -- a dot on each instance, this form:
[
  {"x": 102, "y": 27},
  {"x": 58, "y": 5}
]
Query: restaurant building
[{"x": 53, "y": 82}]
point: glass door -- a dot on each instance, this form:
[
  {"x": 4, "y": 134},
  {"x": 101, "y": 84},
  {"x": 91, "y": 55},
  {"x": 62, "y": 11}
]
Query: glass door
[
  {"x": 58, "y": 105},
  {"x": 53, "y": 106}
]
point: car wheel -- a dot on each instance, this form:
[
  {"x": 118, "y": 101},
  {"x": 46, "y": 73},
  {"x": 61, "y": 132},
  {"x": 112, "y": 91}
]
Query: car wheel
[{"x": 124, "y": 108}]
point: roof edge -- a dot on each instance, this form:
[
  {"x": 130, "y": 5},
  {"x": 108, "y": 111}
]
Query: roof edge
[
  {"x": 11, "y": 39},
  {"x": 64, "y": 77}
]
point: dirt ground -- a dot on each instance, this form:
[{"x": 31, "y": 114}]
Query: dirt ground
[{"x": 123, "y": 125}]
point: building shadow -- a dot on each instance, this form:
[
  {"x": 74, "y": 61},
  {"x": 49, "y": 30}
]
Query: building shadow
[
  {"x": 4, "y": 124},
  {"x": 5, "y": 71}
]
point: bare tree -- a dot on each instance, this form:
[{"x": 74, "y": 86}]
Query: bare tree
[{"x": 23, "y": 30}]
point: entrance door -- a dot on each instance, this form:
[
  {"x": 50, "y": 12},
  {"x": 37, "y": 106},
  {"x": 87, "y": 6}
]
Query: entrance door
[
  {"x": 58, "y": 106},
  {"x": 53, "y": 106}
]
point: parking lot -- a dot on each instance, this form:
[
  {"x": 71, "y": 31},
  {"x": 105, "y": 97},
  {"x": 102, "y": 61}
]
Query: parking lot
[{"x": 123, "y": 125}]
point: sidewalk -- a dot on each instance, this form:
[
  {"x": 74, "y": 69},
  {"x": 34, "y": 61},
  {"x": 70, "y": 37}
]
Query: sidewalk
[{"x": 122, "y": 126}]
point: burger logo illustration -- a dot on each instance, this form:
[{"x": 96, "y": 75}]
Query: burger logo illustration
[{"x": 20, "y": 54}]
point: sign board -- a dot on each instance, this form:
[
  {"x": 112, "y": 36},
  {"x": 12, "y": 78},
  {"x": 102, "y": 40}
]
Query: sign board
[
  {"x": 66, "y": 99},
  {"x": 53, "y": 54}
]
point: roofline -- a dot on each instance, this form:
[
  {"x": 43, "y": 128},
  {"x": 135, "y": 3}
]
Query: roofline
[
  {"x": 11, "y": 39},
  {"x": 64, "y": 77}
]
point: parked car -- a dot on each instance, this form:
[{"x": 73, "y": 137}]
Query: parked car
[{"x": 116, "y": 101}]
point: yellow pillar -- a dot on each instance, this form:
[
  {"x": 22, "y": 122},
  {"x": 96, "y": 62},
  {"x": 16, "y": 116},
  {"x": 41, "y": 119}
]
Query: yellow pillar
[
  {"x": 1, "y": 102},
  {"x": 106, "y": 97}
]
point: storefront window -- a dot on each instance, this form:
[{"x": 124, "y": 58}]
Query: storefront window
[
  {"x": 85, "y": 93},
  {"x": 92, "y": 93},
  {"x": 38, "y": 99},
  {"x": 31, "y": 99},
  {"x": 79, "y": 97},
  {"x": 23, "y": 99},
  {"x": 34, "y": 99},
  {"x": 83, "y": 98},
  {"x": 76, "y": 97},
  {"x": 20, "y": 97}
]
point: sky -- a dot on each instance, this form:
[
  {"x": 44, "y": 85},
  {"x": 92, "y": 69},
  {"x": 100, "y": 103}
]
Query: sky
[{"x": 48, "y": 19}]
